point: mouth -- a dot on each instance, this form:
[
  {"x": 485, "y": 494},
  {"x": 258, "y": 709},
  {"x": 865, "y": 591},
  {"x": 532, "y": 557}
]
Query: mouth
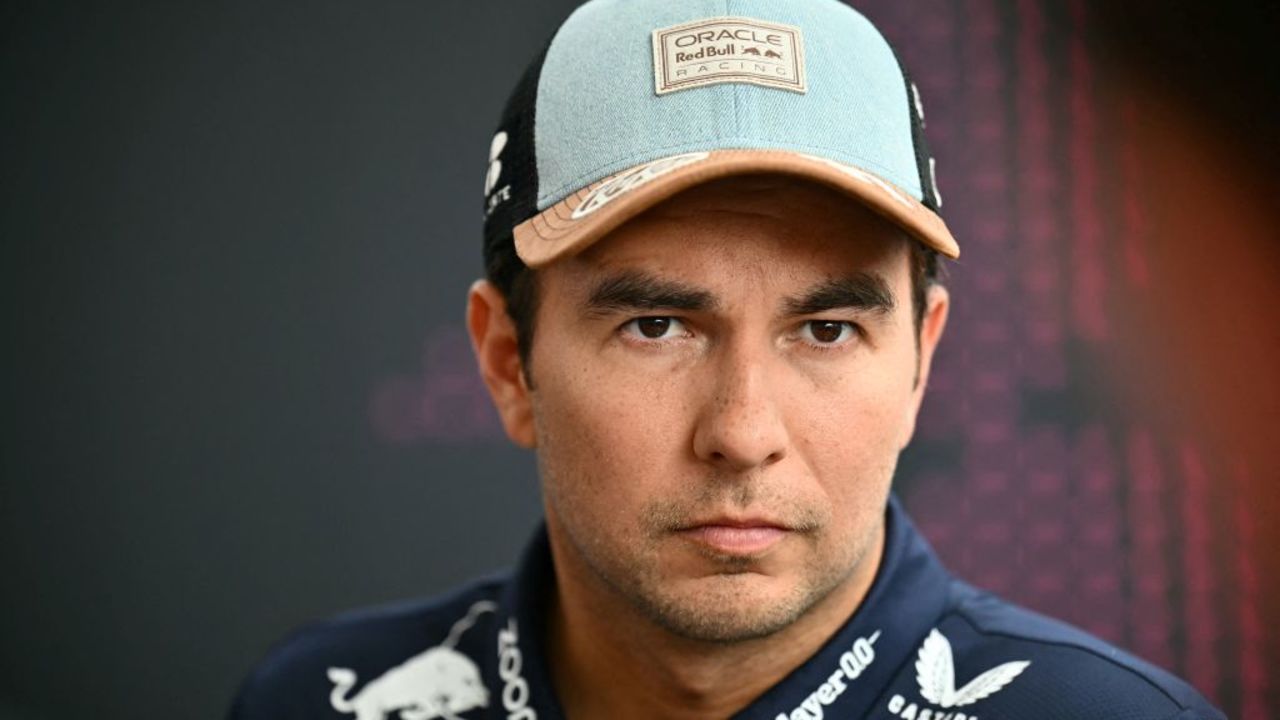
[{"x": 736, "y": 536}]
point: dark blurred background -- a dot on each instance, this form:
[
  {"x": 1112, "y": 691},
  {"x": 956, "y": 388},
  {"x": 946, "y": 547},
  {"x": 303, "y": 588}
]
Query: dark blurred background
[{"x": 237, "y": 238}]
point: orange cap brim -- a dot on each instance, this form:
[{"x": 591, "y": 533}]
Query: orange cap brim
[{"x": 584, "y": 217}]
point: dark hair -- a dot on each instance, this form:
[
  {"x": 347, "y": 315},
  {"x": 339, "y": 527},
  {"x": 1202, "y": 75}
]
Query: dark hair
[
  {"x": 926, "y": 271},
  {"x": 518, "y": 284},
  {"x": 519, "y": 287}
]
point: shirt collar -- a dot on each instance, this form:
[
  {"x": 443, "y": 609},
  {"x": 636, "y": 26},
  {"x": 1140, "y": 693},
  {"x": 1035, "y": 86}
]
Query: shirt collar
[
  {"x": 526, "y": 602},
  {"x": 905, "y": 601}
]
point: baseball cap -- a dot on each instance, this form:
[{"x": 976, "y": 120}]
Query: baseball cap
[{"x": 633, "y": 101}]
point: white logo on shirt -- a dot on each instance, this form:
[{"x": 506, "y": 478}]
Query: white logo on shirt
[
  {"x": 853, "y": 662},
  {"x": 515, "y": 689},
  {"x": 936, "y": 674},
  {"x": 437, "y": 683}
]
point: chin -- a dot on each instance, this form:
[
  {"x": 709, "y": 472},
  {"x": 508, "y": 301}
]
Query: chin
[{"x": 729, "y": 608}]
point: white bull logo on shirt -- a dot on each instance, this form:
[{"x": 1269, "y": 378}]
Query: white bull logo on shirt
[{"x": 440, "y": 682}]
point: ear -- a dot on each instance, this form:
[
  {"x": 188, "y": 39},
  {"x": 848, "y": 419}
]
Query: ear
[
  {"x": 937, "y": 306},
  {"x": 493, "y": 338}
]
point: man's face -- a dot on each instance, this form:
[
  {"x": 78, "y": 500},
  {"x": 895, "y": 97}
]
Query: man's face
[{"x": 720, "y": 390}]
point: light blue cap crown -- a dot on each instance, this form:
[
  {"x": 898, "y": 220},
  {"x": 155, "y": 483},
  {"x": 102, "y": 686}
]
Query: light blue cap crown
[{"x": 613, "y": 95}]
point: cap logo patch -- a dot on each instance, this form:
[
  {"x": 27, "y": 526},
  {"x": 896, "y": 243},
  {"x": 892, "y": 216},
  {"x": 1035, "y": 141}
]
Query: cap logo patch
[
  {"x": 492, "y": 193},
  {"x": 618, "y": 185},
  {"x": 727, "y": 50}
]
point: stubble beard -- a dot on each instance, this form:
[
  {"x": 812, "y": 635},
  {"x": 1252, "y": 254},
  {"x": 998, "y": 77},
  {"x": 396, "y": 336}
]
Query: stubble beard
[
  {"x": 722, "y": 608},
  {"x": 728, "y": 605}
]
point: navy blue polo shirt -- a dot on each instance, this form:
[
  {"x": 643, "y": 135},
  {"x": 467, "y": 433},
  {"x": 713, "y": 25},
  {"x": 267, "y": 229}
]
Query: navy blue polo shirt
[{"x": 922, "y": 646}]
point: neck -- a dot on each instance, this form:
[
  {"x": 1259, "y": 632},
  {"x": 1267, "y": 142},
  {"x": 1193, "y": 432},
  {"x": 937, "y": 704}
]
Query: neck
[{"x": 611, "y": 660}]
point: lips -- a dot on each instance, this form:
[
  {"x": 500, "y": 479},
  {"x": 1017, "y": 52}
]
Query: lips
[{"x": 731, "y": 536}]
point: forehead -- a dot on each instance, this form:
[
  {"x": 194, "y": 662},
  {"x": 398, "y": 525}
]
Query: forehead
[{"x": 741, "y": 230}]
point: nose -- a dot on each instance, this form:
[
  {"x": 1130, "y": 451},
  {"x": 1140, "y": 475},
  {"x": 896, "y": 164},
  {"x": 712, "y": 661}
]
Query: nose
[{"x": 741, "y": 426}]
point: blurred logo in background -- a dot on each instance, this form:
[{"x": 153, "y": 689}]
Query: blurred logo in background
[{"x": 445, "y": 401}]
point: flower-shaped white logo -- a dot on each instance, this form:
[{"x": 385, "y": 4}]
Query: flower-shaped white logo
[{"x": 936, "y": 673}]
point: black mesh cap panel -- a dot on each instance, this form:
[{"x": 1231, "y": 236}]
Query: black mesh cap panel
[
  {"x": 511, "y": 180},
  {"x": 924, "y": 158}
]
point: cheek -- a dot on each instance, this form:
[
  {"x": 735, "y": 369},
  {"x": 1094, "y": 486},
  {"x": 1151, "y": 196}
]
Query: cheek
[
  {"x": 608, "y": 441},
  {"x": 848, "y": 429}
]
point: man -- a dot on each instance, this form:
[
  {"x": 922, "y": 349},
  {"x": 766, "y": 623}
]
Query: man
[{"x": 712, "y": 305}]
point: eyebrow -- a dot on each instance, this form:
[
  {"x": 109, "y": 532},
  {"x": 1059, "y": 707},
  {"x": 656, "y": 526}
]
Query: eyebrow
[
  {"x": 634, "y": 290},
  {"x": 859, "y": 291}
]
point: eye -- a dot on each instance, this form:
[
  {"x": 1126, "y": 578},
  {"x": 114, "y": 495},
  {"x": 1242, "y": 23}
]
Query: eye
[
  {"x": 655, "y": 328},
  {"x": 828, "y": 332}
]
